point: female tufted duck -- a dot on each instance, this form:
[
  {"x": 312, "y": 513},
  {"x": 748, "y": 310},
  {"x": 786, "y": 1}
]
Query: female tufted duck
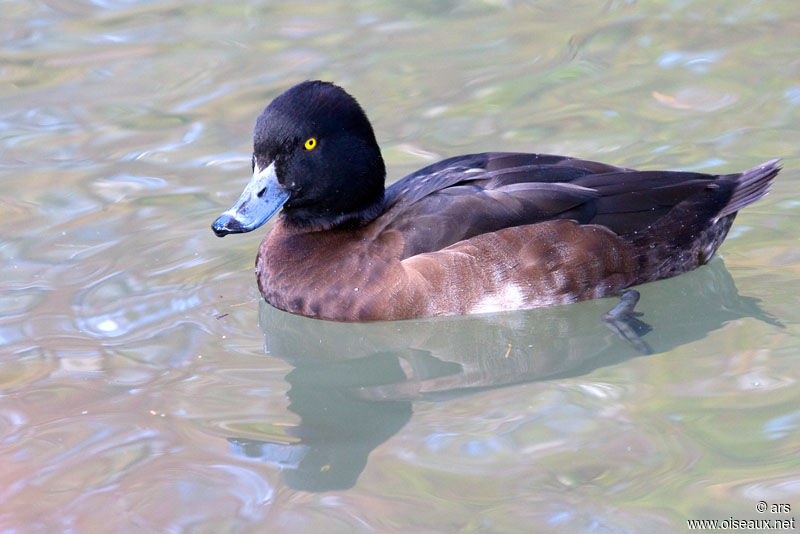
[{"x": 470, "y": 234}]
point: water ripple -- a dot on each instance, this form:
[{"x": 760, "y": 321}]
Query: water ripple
[{"x": 133, "y": 316}]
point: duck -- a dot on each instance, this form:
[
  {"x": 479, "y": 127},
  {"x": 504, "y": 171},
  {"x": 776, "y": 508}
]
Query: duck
[{"x": 471, "y": 234}]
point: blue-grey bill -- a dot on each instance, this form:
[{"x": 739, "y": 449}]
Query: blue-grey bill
[{"x": 259, "y": 201}]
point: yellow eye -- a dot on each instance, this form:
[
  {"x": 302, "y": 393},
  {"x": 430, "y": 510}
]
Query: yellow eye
[{"x": 311, "y": 142}]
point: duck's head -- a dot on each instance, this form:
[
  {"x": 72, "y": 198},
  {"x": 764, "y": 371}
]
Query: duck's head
[{"x": 314, "y": 155}]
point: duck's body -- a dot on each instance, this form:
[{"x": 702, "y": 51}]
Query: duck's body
[{"x": 471, "y": 234}]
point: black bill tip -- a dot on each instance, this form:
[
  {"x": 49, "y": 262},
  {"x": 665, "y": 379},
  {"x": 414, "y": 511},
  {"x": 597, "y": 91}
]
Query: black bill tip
[{"x": 225, "y": 224}]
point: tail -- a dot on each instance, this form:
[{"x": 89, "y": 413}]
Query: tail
[
  {"x": 692, "y": 231},
  {"x": 750, "y": 186}
]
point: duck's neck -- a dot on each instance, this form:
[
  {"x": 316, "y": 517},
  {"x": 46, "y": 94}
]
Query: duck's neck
[{"x": 305, "y": 220}]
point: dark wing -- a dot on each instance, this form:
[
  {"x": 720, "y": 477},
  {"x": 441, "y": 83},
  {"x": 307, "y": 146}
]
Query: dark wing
[
  {"x": 630, "y": 202},
  {"x": 465, "y": 196},
  {"x": 503, "y": 167}
]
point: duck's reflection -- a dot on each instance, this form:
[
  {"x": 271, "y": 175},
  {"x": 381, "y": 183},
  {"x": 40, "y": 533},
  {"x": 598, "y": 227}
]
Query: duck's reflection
[{"x": 353, "y": 384}]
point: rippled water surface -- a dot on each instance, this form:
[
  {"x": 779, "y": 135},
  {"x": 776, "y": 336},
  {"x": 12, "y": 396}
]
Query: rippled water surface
[{"x": 144, "y": 387}]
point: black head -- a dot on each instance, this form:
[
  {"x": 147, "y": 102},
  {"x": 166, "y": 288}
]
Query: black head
[{"x": 315, "y": 154}]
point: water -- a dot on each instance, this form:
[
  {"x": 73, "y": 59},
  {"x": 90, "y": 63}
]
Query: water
[{"x": 145, "y": 388}]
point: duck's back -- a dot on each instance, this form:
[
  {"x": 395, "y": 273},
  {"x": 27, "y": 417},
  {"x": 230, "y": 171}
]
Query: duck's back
[{"x": 465, "y": 196}]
